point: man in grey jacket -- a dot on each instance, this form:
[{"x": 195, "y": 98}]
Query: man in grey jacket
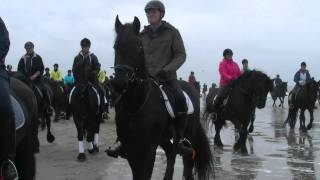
[
  {"x": 164, "y": 53},
  {"x": 7, "y": 122}
]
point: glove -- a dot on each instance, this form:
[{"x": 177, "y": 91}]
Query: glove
[
  {"x": 162, "y": 74},
  {"x": 302, "y": 82}
]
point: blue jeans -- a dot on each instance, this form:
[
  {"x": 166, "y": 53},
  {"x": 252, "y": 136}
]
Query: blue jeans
[{"x": 7, "y": 121}]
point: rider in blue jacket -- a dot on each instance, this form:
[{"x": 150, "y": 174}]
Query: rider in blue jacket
[
  {"x": 302, "y": 77},
  {"x": 7, "y": 121}
]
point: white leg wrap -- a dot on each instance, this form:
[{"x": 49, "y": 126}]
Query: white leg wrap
[
  {"x": 81, "y": 147},
  {"x": 96, "y": 139},
  {"x": 90, "y": 145}
]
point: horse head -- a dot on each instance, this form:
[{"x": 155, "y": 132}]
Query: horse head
[
  {"x": 313, "y": 88},
  {"x": 129, "y": 57},
  {"x": 257, "y": 84}
]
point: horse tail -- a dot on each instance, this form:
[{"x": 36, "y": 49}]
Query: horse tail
[{"x": 203, "y": 159}]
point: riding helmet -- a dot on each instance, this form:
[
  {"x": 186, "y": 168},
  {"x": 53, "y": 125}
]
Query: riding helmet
[
  {"x": 155, "y": 4},
  {"x": 227, "y": 52},
  {"x": 28, "y": 44},
  {"x": 85, "y": 42}
]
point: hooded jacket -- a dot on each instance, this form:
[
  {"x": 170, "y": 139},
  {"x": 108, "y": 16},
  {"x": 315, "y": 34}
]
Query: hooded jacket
[
  {"x": 163, "y": 49},
  {"x": 229, "y": 70}
]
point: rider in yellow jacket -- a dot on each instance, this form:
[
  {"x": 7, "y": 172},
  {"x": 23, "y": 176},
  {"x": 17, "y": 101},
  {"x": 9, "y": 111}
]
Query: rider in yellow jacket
[
  {"x": 101, "y": 76},
  {"x": 56, "y": 75}
]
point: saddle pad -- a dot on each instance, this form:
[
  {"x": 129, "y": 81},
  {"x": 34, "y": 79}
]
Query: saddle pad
[
  {"x": 18, "y": 112},
  {"x": 94, "y": 89},
  {"x": 169, "y": 105}
]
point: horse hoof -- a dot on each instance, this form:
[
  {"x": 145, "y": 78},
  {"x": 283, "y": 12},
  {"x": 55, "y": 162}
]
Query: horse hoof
[
  {"x": 309, "y": 126},
  {"x": 218, "y": 144},
  {"x": 244, "y": 151},
  {"x": 251, "y": 129},
  {"x": 43, "y": 126},
  {"x": 50, "y": 138},
  {"x": 81, "y": 157},
  {"x": 96, "y": 148},
  {"x": 236, "y": 147}
]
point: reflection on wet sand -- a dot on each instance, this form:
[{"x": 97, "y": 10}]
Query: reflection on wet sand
[{"x": 301, "y": 156}]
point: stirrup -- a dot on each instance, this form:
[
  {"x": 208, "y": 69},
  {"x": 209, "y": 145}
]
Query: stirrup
[
  {"x": 185, "y": 142},
  {"x": 15, "y": 176}
]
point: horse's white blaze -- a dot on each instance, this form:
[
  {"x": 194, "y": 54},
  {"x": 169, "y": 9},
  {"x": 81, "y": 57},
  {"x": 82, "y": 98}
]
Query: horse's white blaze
[
  {"x": 96, "y": 139},
  {"x": 81, "y": 147}
]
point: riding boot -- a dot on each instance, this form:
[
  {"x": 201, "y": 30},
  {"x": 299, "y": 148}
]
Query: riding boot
[
  {"x": 218, "y": 101},
  {"x": 115, "y": 150},
  {"x": 183, "y": 145}
]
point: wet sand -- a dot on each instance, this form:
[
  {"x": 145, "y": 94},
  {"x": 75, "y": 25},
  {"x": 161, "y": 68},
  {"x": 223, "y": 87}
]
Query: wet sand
[{"x": 275, "y": 152}]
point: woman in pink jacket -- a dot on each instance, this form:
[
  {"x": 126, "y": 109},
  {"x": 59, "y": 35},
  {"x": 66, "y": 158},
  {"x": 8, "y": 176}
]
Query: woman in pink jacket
[{"x": 229, "y": 71}]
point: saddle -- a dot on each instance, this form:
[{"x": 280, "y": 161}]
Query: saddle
[
  {"x": 20, "y": 118},
  {"x": 169, "y": 101},
  {"x": 99, "y": 101}
]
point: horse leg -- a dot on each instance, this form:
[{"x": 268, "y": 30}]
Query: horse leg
[
  {"x": 57, "y": 114},
  {"x": 90, "y": 126},
  {"x": 252, "y": 118},
  {"x": 25, "y": 160},
  {"x": 142, "y": 163},
  {"x": 218, "y": 126},
  {"x": 274, "y": 102},
  {"x": 50, "y": 137},
  {"x": 96, "y": 133},
  {"x": 171, "y": 158},
  {"x": 303, "y": 121},
  {"x": 43, "y": 122},
  {"x": 188, "y": 164},
  {"x": 243, "y": 139},
  {"x": 311, "y": 118},
  {"x": 80, "y": 130}
]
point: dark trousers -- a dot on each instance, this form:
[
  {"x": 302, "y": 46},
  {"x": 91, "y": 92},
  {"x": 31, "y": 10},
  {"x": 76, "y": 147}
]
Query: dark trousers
[
  {"x": 180, "y": 108},
  {"x": 7, "y": 121},
  {"x": 221, "y": 95}
]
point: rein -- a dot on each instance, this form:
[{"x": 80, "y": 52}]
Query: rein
[{"x": 131, "y": 73}]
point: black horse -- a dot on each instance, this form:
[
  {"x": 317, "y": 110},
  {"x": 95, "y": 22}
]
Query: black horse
[
  {"x": 27, "y": 142},
  {"x": 142, "y": 120},
  {"x": 44, "y": 109},
  {"x": 303, "y": 99},
  {"x": 59, "y": 98},
  {"x": 246, "y": 93},
  {"x": 85, "y": 107},
  {"x": 279, "y": 92}
]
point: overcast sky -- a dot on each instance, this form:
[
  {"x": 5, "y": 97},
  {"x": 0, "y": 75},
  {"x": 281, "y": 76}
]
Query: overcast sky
[{"x": 274, "y": 35}]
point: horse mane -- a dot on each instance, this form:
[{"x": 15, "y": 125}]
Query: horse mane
[{"x": 247, "y": 75}]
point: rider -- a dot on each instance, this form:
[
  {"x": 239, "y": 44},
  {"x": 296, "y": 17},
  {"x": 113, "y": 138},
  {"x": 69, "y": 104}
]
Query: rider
[
  {"x": 47, "y": 73},
  {"x": 86, "y": 68},
  {"x": 245, "y": 66},
  {"x": 277, "y": 80},
  {"x": 301, "y": 78},
  {"x": 7, "y": 121},
  {"x": 192, "y": 79},
  {"x": 9, "y": 70},
  {"x": 204, "y": 89},
  {"x": 56, "y": 75},
  {"x": 31, "y": 66},
  {"x": 68, "y": 79},
  {"x": 229, "y": 70},
  {"x": 165, "y": 53},
  {"x": 101, "y": 76}
]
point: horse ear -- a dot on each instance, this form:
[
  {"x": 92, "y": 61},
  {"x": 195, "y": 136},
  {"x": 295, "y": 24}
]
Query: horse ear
[
  {"x": 136, "y": 25},
  {"x": 118, "y": 24}
]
